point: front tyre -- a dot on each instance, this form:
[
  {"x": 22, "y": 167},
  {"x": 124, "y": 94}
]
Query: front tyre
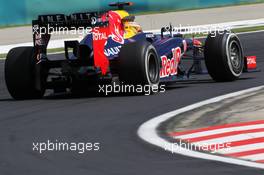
[
  {"x": 224, "y": 56},
  {"x": 21, "y": 74}
]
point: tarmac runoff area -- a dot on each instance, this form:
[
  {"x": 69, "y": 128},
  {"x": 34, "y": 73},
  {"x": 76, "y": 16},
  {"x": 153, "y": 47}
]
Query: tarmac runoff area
[
  {"x": 202, "y": 16},
  {"x": 231, "y": 128},
  {"x": 156, "y": 21}
]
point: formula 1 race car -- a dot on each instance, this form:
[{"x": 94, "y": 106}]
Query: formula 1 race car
[{"x": 116, "y": 50}]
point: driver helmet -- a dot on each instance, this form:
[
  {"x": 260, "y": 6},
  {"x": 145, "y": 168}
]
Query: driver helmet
[{"x": 130, "y": 26}]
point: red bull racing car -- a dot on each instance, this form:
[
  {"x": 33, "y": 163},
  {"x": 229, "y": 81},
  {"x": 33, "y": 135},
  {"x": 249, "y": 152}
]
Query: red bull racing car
[{"x": 116, "y": 50}]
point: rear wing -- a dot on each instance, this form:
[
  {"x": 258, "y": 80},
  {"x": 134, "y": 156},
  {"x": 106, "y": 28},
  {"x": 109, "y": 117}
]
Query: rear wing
[
  {"x": 45, "y": 25},
  {"x": 68, "y": 21}
]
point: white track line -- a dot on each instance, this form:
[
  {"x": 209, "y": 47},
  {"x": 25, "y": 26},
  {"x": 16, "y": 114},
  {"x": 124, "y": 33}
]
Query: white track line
[
  {"x": 148, "y": 132},
  {"x": 53, "y": 44},
  {"x": 219, "y": 26},
  {"x": 254, "y": 157},
  {"x": 54, "y": 53}
]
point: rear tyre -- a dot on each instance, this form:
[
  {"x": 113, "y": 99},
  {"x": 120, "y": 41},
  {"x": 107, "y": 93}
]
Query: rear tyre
[
  {"x": 21, "y": 74},
  {"x": 224, "y": 56},
  {"x": 139, "y": 64}
]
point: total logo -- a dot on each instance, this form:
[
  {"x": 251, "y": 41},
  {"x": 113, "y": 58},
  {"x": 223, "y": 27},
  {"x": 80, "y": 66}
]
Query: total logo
[
  {"x": 99, "y": 34},
  {"x": 170, "y": 66},
  {"x": 251, "y": 62}
]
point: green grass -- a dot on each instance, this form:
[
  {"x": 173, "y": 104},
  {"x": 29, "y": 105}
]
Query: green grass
[
  {"x": 13, "y": 26},
  {"x": 56, "y": 50},
  {"x": 248, "y": 29},
  {"x": 2, "y": 55}
]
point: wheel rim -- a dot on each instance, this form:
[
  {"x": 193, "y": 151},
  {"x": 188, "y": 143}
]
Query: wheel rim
[
  {"x": 235, "y": 56},
  {"x": 153, "y": 72}
]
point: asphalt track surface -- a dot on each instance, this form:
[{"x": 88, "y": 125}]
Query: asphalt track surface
[{"x": 112, "y": 121}]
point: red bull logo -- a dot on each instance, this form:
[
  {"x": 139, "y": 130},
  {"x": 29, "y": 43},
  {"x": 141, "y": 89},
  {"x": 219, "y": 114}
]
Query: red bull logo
[
  {"x": 170, "y": 66},
  {"x": 116, "y": 27}
]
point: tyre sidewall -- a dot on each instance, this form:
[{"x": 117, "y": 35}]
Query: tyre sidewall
[
  {"x": 151, "y": 50},
  {"x": 134, "y": 63},
  {"x": 20, "y": 74}
]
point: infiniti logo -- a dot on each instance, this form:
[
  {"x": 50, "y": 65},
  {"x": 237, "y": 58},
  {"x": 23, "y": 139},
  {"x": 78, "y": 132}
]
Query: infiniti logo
[{"x": 93, "y": 20}]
